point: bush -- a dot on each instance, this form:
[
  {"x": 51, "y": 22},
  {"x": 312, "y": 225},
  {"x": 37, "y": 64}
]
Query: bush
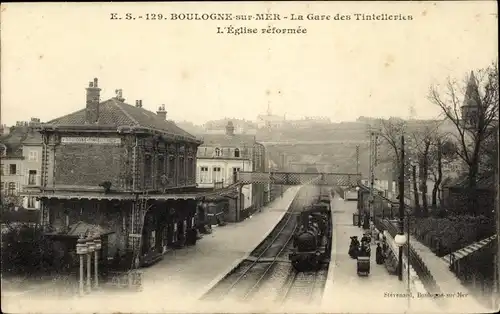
[
  {"x": 25, "y": 251},
  {"x": 449, "y": 234}
]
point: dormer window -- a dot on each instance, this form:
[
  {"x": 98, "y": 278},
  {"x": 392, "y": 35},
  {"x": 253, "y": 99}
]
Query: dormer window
[
  {"x": 217, "y": 152},
  {"x": 236, "y": 153}
]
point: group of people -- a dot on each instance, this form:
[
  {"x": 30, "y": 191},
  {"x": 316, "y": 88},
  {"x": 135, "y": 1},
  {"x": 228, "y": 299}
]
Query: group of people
[
  {"x": 362, "y": 248},
  {"x": 357, "y": 248}
]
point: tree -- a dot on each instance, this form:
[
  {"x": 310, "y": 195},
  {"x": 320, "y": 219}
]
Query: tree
[
  {"x": 473, "y": 121},
  {"x": 390, "y": 131},
  {"x": 442, "y": 152},
  {"x": 424, "y": 137},
  {"x": 8, "y": 202}
]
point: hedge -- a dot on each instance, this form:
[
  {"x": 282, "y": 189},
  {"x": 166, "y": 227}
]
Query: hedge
[
  {"x": 25, "y": 251},
  {"x": 449, "y": 234}
]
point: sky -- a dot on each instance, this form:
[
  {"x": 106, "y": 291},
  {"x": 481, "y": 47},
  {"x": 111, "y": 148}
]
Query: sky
[{"x": 339, "y": 69}]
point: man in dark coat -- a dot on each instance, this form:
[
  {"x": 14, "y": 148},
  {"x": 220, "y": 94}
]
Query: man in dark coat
[{"x": 379, "y": 256}]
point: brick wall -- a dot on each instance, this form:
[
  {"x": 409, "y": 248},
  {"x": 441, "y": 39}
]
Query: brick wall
[
  {"x": 87, "y": 164},
  {"x": 103, "y": 214}
]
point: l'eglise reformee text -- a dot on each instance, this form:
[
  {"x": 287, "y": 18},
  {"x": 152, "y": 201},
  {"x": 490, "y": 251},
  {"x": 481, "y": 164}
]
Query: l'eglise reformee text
[{"x": 243, "y": 30}]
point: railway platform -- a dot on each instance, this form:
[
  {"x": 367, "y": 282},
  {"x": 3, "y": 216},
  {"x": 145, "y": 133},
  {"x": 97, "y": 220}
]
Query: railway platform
[
  {"x": 177, "y": 282},
  {"x": 379, "y": 292}
]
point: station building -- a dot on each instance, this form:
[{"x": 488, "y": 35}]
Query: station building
[{"x": 122, "y": 171}]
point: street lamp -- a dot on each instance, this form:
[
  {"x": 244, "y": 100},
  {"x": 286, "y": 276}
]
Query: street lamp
[
  {"x": 97, "y": 244},
  {"x": 81, "y": 249},
  {"x": 90, "y": 250},
  {"x": 400, "y": 240}
]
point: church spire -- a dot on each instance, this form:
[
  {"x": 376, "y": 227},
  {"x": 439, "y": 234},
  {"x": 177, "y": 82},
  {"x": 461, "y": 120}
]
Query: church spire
[
  {"x": 472, "y": 101},
  {"x": 472, "y": 92}
]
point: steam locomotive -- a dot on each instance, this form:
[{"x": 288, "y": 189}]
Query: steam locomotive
[{"x": 312, "y": 239}]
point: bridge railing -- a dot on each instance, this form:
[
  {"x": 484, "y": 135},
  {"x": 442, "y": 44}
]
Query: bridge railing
[{"x": 296, "y": 178}]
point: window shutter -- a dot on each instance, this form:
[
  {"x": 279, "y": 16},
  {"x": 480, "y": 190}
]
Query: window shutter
[
  {"x": 25, "y": 202},
  {"x": 37, "y": 204}
]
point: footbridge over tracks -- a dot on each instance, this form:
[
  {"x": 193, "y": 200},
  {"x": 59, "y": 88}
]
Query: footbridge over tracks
[
  {"x": 306, "y": 173},
  {"x": 298, "y": 178}
]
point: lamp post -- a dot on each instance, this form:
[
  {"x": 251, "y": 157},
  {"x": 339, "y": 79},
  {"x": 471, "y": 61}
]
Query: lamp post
[
  {"x": 97, "y": 243},
  {"x": 81, "y": 249},
  {"x": 400, "y": 241},
  {"x": 401, "y": 206},
  {"x": 90, "y": 250}
]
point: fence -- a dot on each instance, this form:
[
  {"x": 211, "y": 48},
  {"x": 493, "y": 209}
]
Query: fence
[
  {"x": 415, "y": 260},
  {"x": 476, "y": 270}
]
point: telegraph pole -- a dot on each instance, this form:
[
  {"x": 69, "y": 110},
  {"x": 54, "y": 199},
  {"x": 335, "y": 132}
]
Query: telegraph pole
[
  {"x": 496, "y": 280},
  {"x": 357, "y": 159},
  {"x": 370, "y": 199},
  {"x": 373, "y": 163},
  {"x": 401, "y": 204}
]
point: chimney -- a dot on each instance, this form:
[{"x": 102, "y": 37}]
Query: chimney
[
  {"x": 162, "y": 113},
  {"x": 230, "y": 128},
  {"x": 138, "y": 103},
  {"x": 93, "y": 98},
  {"x": 119, "y": 95}
]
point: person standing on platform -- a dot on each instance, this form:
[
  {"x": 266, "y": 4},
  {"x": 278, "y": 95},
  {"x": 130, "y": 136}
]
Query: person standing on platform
[{"x": 379, "y": 256}]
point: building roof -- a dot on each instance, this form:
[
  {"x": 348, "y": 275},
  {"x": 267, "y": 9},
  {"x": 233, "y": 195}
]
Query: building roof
[
  {"x": 115, "y": 113},
  {"x": 271, "y": 117},
  {"x": 17, "y": 137},
  {"x": 228, "y": 140}
]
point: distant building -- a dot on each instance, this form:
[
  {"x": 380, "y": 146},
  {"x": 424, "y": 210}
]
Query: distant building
[
  {"x": 308, "y": 122},
  {"x": 4, "y": 129},
  {"x": 20, "y": 167},
  {"x": 270, "y": 121},
  {"x": 222, "y": 156},
  {"x": 240, "y": 126}
]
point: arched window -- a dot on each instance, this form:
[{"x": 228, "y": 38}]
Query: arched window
[
  {"x": 236, "y": 152},
  {"x": 217, "y": 152}
]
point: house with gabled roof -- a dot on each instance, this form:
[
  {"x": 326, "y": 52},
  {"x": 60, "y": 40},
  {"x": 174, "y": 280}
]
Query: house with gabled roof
[
  {"x": 124, "y": 168},
  {"x": 220, "y": 158},
  {"x": 20, "y": 166}
]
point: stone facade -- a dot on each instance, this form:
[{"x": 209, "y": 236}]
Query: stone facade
[{"x": 122, "y": 168}]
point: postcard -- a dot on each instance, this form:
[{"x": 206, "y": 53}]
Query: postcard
[{"x": 250, "y": 157}]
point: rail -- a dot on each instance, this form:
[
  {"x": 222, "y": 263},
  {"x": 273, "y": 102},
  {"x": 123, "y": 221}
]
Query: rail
[
  {"x": 262, "y": 261},
  {"x": 273, "y": 262},
  {"x": 302, "y": 286}
]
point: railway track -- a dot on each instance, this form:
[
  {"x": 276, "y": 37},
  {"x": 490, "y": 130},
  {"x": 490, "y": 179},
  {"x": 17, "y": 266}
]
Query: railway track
[
  {"x": 304, "y": 287},
  {"x": 265, "y": 262}
]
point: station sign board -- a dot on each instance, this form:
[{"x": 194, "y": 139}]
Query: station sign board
[{"x": 91, "y": 140}]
